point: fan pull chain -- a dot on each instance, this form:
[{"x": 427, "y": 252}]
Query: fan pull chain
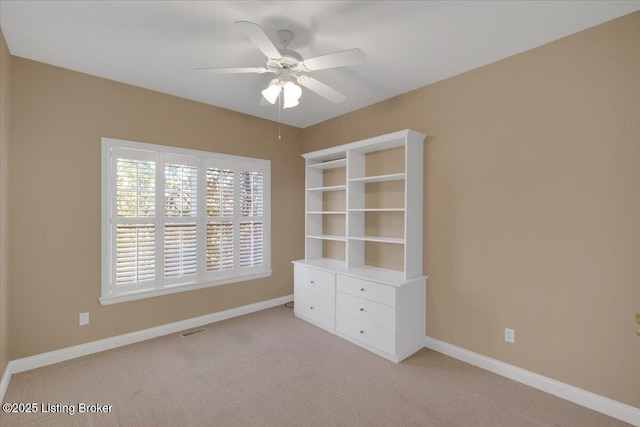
[{"x": 279, "y": 116}]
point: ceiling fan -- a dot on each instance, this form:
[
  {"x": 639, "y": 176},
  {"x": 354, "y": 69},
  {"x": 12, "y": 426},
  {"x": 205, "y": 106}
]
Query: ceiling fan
[{"x": 290, "y": 68}]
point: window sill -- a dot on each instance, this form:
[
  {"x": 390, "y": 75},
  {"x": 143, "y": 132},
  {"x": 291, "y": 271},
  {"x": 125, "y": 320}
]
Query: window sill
[{"x": 116, "y": 299}]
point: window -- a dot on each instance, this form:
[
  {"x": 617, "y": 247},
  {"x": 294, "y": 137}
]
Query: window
[{"x": 175, "y": 220}]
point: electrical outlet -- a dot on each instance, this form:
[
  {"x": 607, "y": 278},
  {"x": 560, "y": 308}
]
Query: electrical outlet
[
  {"x": 510, "y": 335},
  {"x": 84, "y": 319}
]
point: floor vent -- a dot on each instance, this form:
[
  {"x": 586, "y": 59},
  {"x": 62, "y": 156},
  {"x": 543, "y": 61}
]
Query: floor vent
[{"x": 191, "y": 333}]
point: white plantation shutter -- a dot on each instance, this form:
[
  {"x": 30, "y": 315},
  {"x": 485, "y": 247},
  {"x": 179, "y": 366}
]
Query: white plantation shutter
[
  {"x": 220, "y": 201},
  {"x": 180, "y": 210},
  {"x": 251, "y": 244},
  {"x": 219, "y": 246},
  {"x": 219, "y": 192},
  {"x": 180, "y": 250},
  {"x": 135, "y": 253},
  {"x": 136, "y": 188},
  {"x": 135, "y": 230},
  {"x": 176, "y": 219},
  {"x": 180, "y": 190},
  {"x": 251, "y": 208},
  {"x": 251, "y": 193}
]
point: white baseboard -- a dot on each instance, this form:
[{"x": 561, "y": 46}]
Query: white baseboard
[
  {"x": 573, "y": 394},
  {"x": 49, "y": 358}
]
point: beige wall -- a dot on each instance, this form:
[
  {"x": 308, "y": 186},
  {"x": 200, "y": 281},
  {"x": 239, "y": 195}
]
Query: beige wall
[
  {"x": 58, "y": 118},
  {"x": 532, "y": 205},
  {"x": 5, "y": 83}
]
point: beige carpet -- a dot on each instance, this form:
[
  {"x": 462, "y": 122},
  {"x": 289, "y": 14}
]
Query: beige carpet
[{"x": 271, "y": 369}]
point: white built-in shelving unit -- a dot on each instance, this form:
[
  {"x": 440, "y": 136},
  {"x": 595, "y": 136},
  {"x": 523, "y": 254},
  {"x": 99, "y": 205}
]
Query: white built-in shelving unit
[{"x": 345, "y": 211}]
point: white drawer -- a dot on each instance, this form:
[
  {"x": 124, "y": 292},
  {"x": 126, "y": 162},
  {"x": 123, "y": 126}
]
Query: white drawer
[
  {"x": 369, "y": 311},
  {"x": 317, "y": 282},
  {"x": 359, "y": 330},
  {"x": 370, "y": 290},
  {"x": 315, "y": 308}
]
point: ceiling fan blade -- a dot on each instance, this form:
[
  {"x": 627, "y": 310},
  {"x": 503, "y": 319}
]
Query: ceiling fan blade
[
  {"x": 214, "y": 70},
  {"x": 332, "y": 60},
  {"x": 321, "y": 89},
  {"x": 259, "y": 38}
]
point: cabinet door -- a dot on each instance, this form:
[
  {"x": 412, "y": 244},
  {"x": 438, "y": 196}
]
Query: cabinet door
[{"x": 314, "y": 281}]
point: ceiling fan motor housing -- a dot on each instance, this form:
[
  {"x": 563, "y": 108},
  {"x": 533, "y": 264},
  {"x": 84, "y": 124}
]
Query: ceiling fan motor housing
[{"x": 289, "y": 59}]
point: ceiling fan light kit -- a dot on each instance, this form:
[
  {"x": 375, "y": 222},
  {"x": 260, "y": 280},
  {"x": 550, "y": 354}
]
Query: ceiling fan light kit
[
  {"x": 290, "y": 67},
  {"x": 292, "y": 92}
]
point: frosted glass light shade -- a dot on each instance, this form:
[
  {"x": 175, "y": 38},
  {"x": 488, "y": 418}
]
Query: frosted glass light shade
[
  {"x": 292, "y": 93},
  {"x": 271, "y": 93}
]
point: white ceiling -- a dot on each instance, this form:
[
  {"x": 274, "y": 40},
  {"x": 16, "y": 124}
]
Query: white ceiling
[{"x": 157, "y": 44}]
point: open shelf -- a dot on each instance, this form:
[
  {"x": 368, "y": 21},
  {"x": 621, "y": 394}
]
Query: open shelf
[
  {"x": 378, "y": 239},
  {"x": 328, "y": 237},
  {"x": 330, "y": 188},
  {"x": 331, "y": 164},
  {"x": 378, "y": 210},
  {"x": 327, "y": 212},
  {"x": 380, "y": 178}
]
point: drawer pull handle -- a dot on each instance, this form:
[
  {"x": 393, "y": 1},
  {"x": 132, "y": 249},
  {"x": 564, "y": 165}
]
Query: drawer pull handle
[
  {"x": 362, "y": 332},
  {"x": 311, "y": 308},
  {"x": 362, "y": 309},
  {"x": 312, "y": 282},
  {"x": 362, "y": 290}
]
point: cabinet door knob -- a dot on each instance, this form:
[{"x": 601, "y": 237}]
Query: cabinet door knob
[
  {"x": 362, "y": 289},
  {"x": 312, "y": 282},
  {"x": 311, "y": 308},
  {"x": 362, "y": 332},
  {"x": 362, "y": 309}
]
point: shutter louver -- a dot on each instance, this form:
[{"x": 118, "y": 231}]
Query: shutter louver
[
  {"x": 219, "y": 246},
  {"x": 180, "y": 250},
  {"x": 135, "y": 253}
]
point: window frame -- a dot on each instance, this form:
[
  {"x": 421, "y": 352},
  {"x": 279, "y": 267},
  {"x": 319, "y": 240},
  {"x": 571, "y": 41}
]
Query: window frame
[{"x": 163, "y": 155}]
